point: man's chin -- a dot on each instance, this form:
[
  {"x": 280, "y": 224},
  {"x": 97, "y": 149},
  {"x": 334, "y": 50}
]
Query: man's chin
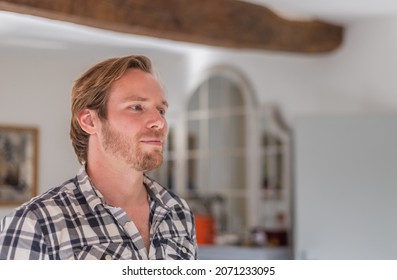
[
  {"x": 152, "y": 149},
  {"x": 151, "y": 161}
]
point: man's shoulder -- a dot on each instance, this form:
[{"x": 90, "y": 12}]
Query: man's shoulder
[{"x": 52, "y": 199}]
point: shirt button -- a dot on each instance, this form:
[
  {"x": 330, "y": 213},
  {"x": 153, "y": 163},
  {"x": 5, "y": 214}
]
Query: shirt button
[
  {"x": 108, "y": 257},
  {"x": 184, "y": 250},
  {"x": 129, "y": 228}
]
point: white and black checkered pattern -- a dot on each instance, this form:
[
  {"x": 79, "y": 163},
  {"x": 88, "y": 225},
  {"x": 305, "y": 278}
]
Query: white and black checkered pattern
[{"x": 73, "y": 222}]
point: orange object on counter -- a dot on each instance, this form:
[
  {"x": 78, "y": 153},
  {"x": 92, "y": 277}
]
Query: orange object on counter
[{"x": 205, "y": 229}]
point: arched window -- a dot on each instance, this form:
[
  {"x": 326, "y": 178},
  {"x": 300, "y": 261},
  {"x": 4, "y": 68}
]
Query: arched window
[{"x": 217, "y": 156}]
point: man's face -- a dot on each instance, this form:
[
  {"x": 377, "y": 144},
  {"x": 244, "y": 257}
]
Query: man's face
[{"x": 135, "y": 130}]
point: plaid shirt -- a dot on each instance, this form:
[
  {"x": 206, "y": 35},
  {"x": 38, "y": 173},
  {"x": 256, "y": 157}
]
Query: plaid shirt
[{"x": 73, "y": 222}]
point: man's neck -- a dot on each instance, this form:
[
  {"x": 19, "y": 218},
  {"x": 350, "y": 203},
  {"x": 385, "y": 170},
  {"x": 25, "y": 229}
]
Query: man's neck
[{"x": 120, "y": 186}]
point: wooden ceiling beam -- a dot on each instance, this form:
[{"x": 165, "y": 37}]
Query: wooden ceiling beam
[{"x": 224, "y": 23}]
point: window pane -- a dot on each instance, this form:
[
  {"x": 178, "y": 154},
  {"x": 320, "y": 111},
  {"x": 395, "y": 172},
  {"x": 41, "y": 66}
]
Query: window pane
[
  {"x": 235, "y": 97},
  {"x": 226, "y": 172},
  {"x": 235, "y": 167},
  {"x": 216, "y": 88},
  {"x": 193, "y": 135},
  {"x": 216, "y": 134},
  {"x": 235, "y": 132},
  {"x": 217, "y": 173}
]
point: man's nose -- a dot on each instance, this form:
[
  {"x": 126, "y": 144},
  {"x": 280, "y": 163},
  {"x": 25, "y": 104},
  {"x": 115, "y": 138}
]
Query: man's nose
[{"x": 157, "y": 120}]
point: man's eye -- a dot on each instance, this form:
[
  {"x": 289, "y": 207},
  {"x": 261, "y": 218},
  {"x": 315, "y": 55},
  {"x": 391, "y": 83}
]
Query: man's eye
[
  {"x": 136, "y": 107},
  {"x": 162, "y": 112}
]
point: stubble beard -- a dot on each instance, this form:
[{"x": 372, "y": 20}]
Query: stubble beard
[{"x": 128, "y": 149}]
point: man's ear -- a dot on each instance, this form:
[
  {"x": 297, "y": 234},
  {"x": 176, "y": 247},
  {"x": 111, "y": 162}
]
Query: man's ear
[{"x": 87, "y": 120}]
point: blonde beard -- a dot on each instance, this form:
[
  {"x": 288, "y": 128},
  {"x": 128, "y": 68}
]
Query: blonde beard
[{"x": 129, "y": 151}]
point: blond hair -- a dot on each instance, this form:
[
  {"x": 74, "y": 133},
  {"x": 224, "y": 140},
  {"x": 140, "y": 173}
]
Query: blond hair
[{"x": 91, "y": 91}]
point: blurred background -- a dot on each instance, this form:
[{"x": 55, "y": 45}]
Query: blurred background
[{"x": 284, "y": 148}]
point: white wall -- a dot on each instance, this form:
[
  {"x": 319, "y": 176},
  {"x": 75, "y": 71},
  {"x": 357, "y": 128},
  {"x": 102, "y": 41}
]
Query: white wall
[{"x": 345, "y": 191}]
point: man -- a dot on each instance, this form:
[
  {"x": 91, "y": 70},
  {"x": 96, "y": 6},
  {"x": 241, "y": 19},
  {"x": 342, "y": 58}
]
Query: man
[{"x": 111, "y": 209}]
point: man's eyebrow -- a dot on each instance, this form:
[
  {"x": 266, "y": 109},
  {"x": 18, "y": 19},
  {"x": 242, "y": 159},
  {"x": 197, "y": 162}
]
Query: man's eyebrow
[
  {"x": 143, "y": 99},
  {"x": 135, "y": 98}
]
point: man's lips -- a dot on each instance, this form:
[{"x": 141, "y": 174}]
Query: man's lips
[{"x": 155, "y": 142}]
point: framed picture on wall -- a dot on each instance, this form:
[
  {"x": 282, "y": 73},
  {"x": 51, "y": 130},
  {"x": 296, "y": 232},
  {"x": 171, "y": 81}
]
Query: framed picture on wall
[{"x": 18, "y": 164}]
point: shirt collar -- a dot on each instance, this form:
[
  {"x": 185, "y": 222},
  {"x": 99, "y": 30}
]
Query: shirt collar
[
  {"x": 92, "y": 195},
  {"x": 159, "y": 194}
]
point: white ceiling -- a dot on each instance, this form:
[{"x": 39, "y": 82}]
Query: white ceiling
[
  {"x": 337, "y": 11},
  {"x": 25, "y": 31}
]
